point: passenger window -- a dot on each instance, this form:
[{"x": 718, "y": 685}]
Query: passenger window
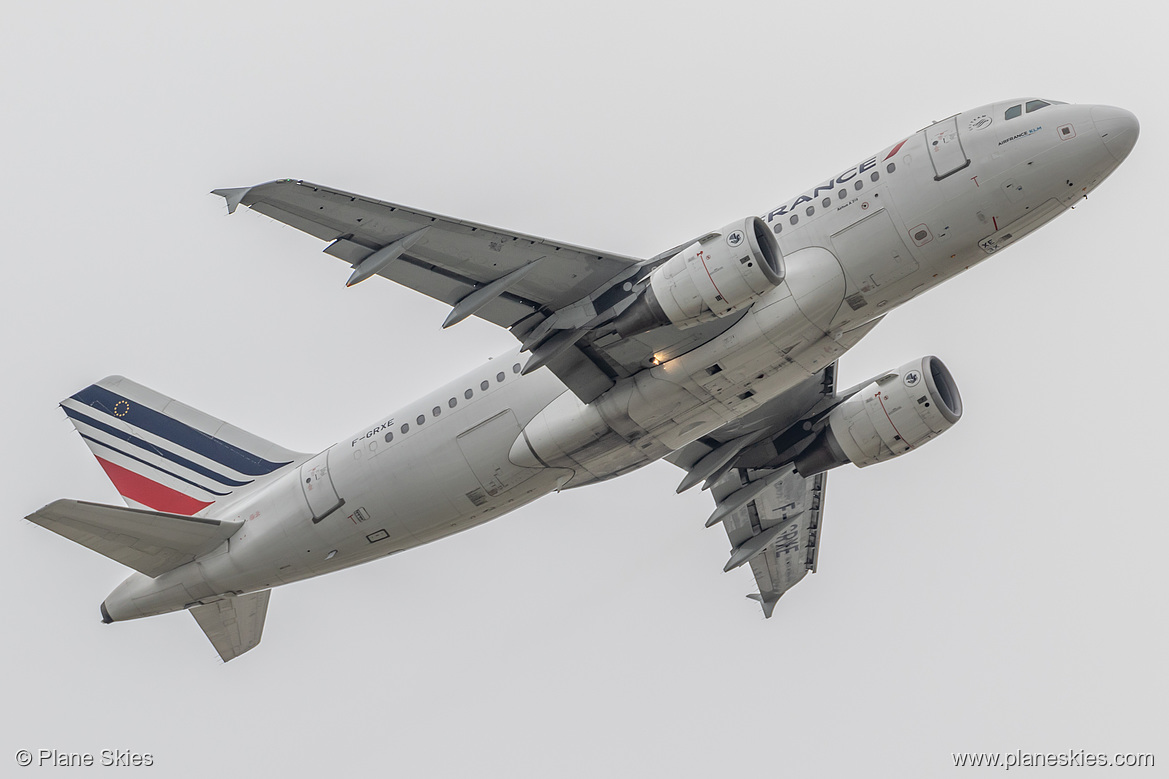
[
  {"x": 778, "y": 227},
  {"x": 842, "y": 194},
  {"x": 389, "y": 436},
  {"x": 452, "y": 402},
  {"x": 795, "y": 218},
  {"x": 436, "y": 411},
  {"x": 875, "y": 175},
  {"x": 1013, "y": 111},
  {"x": 421, "y": 419},
  {"x": 857, "y": 186},
  {"x": 405, "y": 428},
  {"x": 500, "y": 377},
  {"x": 468, "y": 394},
  {"x": 483, "y": 385},
  {"x": 1035, "y": 105},
  {"x": 810, "y": 210},
  {"x": 826, "y": 202},
  {"x": 515, "y": 368},
  {"x": 890, "y": 168}
]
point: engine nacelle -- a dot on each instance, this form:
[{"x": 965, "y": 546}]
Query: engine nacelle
[
  {"x": 898, "y": 412},
  {"x": 722, "y": 273}
]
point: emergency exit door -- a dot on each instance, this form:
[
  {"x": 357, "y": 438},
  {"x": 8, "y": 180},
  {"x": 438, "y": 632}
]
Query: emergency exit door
[
  {"x": 946, "y": 152},
  {"x": 318, "y": 487}
]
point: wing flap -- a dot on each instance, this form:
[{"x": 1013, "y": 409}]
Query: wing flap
[
  {"x": 234, "y": 624},
  {"x": 150, "y": 542},
  {"x": 777, "y": 532},
  {"x": 772, "y": 515}
]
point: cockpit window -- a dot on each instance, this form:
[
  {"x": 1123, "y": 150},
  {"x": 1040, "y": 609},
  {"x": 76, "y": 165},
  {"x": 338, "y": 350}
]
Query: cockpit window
[
  {"x": 1014, "y": 111},
  {"x": 1035, "y": 105}
]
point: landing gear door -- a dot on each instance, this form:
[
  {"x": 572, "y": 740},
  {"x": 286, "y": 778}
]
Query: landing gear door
[
  {"x": 946, "y": 152},
  {"x": 318, "y": 488}
]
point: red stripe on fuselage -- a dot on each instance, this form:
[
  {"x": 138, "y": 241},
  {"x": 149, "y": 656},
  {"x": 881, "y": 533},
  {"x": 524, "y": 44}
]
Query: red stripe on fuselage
[
  {"x": 138, "y": 488},
  {"x": 896, "y": 149}
]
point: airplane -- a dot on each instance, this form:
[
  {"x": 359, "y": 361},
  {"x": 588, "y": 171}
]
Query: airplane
[{"x": 718, "y": 355}]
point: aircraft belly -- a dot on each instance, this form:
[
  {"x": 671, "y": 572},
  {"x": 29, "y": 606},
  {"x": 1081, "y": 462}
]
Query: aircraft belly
[
  {"x": 485, "y": 449},
  {"x": 772, "y": 349}
]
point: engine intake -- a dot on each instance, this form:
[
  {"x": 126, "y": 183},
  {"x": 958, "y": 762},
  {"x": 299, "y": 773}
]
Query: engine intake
[
  {"x": 715, "y": 276},
  {"x": 898, "y": 412}
]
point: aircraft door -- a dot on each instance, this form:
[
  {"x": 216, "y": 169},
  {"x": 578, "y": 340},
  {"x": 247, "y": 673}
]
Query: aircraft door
[
  {"x": 317, "y": 483},
  {"x": 946, "y": 152}
]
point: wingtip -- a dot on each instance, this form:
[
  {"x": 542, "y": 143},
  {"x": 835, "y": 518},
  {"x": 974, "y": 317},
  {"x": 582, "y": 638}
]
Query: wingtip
[
  {"x": 767, "y": 601},
  {"x": 233, "y": 196}
]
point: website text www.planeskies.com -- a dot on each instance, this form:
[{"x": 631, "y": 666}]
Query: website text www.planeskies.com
[{"x": 1072, "y": 758}]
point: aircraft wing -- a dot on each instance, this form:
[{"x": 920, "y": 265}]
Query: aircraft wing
[
  {"x": 775, "y": 528},
  {"x": 234, "y": 624},
  {"x": 772, "y": 515},
  {"x": 550, "y": 295},
  {"x": 449, "y": 261}
]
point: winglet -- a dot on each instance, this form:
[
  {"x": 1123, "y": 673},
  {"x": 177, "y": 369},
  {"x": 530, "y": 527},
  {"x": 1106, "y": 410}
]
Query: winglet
[
  {"x": 767, "y": 601},
  {"x": 232, "y": 196}
]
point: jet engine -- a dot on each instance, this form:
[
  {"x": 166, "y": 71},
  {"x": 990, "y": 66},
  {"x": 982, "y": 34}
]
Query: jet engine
[
  {"x": 896, "y": 413},
  {"x": 717, "y": 275}
]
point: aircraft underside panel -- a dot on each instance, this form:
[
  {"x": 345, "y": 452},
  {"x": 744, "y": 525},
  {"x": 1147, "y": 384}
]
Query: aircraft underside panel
[
  {"x": 486, "y": 448},
  {"x": 873, "y": 253}
]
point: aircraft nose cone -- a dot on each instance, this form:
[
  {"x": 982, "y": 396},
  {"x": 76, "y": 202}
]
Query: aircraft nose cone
[{"x": 1118, "y": 129}]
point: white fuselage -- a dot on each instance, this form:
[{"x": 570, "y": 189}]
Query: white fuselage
[{"x": 855, "y": 246}]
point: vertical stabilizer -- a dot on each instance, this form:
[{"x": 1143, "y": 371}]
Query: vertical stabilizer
[
  {"x": 163, "y": 455},
  {"x": 234, "y": 624}
]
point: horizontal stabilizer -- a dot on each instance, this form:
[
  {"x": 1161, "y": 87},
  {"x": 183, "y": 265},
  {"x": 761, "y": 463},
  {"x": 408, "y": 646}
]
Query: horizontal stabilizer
[
  {"x": 234, "y": 624},
  {"x": 148, "y": 541}
]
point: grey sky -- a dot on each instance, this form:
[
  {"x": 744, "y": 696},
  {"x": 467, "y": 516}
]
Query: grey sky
[{"x": 1003, "y": 590}]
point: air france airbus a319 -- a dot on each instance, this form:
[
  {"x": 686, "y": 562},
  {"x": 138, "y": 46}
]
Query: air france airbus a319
[{"x": 718, "y": 355}]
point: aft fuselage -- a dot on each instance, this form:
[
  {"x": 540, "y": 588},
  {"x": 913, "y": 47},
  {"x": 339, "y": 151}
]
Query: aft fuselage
[{"x": 855, "y": 246}]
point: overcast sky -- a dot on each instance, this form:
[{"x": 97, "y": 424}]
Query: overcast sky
[{"x": 1004, "y": 590}]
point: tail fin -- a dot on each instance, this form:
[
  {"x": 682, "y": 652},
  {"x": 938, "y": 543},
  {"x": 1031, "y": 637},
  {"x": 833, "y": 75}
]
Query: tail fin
[
  {"x": 234, "y": 624},
  {"x": 164, "y": 455}
]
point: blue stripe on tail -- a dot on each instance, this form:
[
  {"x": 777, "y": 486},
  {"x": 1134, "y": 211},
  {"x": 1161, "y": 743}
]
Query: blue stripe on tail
[
  {"x": 112, "y": 448},
  {"x": 153, "y": 448},
  {"x": 175, "y": 431}
]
